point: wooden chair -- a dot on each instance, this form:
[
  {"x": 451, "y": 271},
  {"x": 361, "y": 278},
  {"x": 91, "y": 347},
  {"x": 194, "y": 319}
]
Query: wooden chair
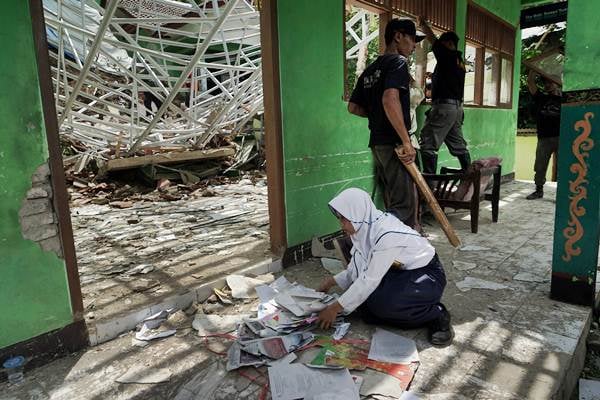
[{"x": 465, "y": 190}]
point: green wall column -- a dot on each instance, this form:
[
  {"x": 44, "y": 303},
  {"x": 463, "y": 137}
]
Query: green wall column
[
  {"x": 34, "y": 296},
  {"x": 576, "y": 230}
]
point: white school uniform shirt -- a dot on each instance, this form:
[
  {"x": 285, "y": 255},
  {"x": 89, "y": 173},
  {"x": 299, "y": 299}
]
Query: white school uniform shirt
[{"x": 380, "y": 240}]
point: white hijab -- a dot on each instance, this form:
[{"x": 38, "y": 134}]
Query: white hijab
[{"x": 375, "y": 230}]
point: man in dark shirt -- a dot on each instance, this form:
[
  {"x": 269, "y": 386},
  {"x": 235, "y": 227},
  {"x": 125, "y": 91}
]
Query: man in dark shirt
[
  {"x": 445, "y": 118},
  {"x": 382, "y": 95},
  {"x": 547, "y": 115}
]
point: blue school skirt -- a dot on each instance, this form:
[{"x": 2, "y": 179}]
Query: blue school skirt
[{"x": 407, "y": 298}]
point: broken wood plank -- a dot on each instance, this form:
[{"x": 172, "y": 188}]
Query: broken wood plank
[{"x": 168, "y": 158}]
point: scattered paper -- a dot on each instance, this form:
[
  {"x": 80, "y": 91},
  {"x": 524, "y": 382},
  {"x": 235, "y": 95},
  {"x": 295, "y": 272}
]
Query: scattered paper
[
  {"x": 475, "y": 283},
  {"x": 589, "y": 389},
  {"x": 237, "y": 358},
  {"x": 222, "y": 296},
  {"x": 296, "y": 381},
  {"x": 207, "y": 324},
  {"x": 332, "y": 265},
  {"x": 242, "y": 287},
  {"x": 530, "y": 277},
  {"x": 378, "y": 383},
  {"x": 278, "y": 346},
  {"x": 473, "y": 247},
  {"x": 341, "y": 330},
  {"x": 304, "y": 304},
  {"x": 143, "y": 374},
  {"x": 151, "y": 326},
  {"x": 463, "y": 266},
  {"x": 146, "y": 333},
  {"x": 409, "y": 396},
  {"x": 281, "y": 284},
  {"x": 265, "y": 293},
  {"x": 389, "y": 347},
  {"x": 290, "y": 358},
  {"x": 355, "y": 357}
]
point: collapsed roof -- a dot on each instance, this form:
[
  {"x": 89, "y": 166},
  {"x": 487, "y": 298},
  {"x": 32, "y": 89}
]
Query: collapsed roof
[{"x": 151, "y": 73}]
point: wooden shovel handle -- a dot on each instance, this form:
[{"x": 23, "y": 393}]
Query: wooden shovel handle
[{"x": 430, "y": 198}]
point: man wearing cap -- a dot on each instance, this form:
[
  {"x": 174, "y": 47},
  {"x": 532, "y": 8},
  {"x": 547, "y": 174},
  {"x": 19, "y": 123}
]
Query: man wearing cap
[
  {"x": 382, "y": 94},
  {"x": 445, "y": 118}
]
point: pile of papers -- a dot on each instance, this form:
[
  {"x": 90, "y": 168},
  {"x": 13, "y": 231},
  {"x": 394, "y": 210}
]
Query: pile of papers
[{"x": 285, "y": 315}]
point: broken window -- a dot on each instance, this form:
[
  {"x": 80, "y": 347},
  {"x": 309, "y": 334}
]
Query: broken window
[{"x": 361, "y": 43}]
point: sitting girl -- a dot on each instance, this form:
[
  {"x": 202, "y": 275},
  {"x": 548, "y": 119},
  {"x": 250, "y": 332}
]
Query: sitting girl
[{"x": 394, "y": 276}]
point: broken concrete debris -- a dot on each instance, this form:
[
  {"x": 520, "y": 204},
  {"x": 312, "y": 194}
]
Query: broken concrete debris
[{"x": 38, "y": 219}]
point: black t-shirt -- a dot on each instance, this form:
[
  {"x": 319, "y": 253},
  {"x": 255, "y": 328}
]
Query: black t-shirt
[
  {"x": 448, "y": 81},
  {"x": 547, "y": 114},
  {"x": 387, "y": 72}
]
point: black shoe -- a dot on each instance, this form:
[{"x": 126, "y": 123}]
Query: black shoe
[
  {"x": 538, "y": 194},
  {"x": 440, "y": 329}
]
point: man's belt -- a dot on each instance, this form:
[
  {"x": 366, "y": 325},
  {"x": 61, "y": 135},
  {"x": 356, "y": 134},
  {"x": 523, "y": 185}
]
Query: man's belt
[{"x": 447, "y": 101}]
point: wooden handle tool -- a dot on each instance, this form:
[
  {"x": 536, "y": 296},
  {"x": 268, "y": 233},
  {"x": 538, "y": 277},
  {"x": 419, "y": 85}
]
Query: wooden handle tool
[{"x": 430, "y": 198}]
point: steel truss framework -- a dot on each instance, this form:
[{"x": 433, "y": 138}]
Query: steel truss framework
[{"x": 148, "y": 73}]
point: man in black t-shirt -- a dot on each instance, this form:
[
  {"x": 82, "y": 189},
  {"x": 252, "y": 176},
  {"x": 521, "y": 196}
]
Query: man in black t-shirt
[
  {"x": 382, "y": 95},
  {"x": 445, "y": 118},
  {"x": 547, "y": 116}
]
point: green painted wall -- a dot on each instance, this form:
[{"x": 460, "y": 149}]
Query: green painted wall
[
  {"x": 325, "y": 148},
  {"x": 34, "y": 296},
  {"x": 582, "y": 46}
]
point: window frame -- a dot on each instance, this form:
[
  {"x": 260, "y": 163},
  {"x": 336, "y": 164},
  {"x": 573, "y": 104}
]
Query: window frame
[
  {"x": 388, "y": 9},
  {"x": 484, "y": 45}
]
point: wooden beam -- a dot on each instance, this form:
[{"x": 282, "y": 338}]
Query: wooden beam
[
  {"x": 168, "y": 158},
  {"x": 269, "y": 38},
  {"x": 479, "y": 67},
  {"x": 59, "y": 186}
]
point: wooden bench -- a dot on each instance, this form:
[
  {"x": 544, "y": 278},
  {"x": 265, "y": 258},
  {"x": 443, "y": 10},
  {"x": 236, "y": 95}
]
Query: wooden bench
[{"x": 456, "y": 189}]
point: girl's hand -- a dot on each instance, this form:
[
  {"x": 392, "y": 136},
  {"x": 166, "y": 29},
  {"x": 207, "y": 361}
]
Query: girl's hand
[{"x": 329, "y": 314}]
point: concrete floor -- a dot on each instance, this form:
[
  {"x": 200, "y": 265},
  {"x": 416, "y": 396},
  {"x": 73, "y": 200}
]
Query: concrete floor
[
  {"x": 511, "y": 343},
  {"x": 135, "y": 257}
]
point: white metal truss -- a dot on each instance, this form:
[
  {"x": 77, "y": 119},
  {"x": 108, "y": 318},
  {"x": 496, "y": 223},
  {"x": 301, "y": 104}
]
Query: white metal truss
[{"x": 150, "y": 73}]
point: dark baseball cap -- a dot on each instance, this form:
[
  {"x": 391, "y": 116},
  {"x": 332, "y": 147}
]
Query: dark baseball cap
[{"x": 405, "y": 26}]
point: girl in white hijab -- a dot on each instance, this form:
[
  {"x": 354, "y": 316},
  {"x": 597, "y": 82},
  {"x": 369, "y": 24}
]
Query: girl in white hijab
[{"x": 394, "y": 275}]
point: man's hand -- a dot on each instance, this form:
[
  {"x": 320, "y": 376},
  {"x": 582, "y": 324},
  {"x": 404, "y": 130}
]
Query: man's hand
[
  {"x": 406, "y": 153},
  {"x": 326, "y": 284},
  {"x": 424, "y": 25},
  {"x": 329, "y": 314}
]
